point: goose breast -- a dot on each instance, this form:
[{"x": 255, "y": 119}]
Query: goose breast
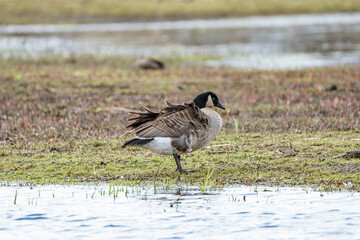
[{"x": 208, "y": 134}]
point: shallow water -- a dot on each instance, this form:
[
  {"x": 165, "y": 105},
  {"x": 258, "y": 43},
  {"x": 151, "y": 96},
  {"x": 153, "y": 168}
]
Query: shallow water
[
  {"x": 291, "y": 41},
  {"x": 83, "y": 212}
]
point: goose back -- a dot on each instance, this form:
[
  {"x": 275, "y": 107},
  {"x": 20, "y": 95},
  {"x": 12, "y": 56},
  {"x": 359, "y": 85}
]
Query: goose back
[{"x": 172, "y": 121}]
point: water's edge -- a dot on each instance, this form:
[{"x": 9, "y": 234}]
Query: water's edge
[{"x": 275, "y": 42}]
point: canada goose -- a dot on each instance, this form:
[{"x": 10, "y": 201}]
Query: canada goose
[
  {"x": 148, "y": 63},
  {"x": 176, "y": 129}
]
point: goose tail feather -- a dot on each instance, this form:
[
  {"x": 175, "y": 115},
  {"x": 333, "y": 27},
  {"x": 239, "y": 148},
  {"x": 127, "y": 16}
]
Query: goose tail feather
[{"x": 137, "y": 142}]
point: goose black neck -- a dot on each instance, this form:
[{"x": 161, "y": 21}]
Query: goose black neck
[{"x": 200, "y": 101}]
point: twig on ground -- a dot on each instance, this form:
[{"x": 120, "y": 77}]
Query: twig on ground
[
  {"x": 350, "y": 154},
  {"x": 220, "y": 152},
  {"x": 222, "y": 145}
]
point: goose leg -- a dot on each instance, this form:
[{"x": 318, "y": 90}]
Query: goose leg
[{"x": 178, "y": 164}]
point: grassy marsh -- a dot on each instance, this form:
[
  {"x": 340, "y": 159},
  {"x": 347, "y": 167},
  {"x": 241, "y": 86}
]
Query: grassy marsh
[
  {"x": 250, "y": 158},
  {"x": 66, "y": 11},
  {"x": 60, "y": 122}
]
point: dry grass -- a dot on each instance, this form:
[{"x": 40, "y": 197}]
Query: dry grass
[
  {"x": 66, "y": 11},
  {"x": 56, "y": 102}
]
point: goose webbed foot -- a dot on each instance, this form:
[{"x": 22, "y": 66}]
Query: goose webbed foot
[
  {"x": 185, "y": 170},
  {"x": 178, "y": 164}
]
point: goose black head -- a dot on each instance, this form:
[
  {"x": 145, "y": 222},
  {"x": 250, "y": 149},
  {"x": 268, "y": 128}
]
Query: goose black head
[{"x": 201, "y": 100}]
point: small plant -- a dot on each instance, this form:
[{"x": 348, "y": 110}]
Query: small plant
[
  {"x": 206, "y": 183},
  {"x": 16, "y": 194},
  {"x": 117, "y": 190},
  {"x": 126, "y": 191},
  {"x": 233, "y": 199},
  {"x": 236, "y": 126}
]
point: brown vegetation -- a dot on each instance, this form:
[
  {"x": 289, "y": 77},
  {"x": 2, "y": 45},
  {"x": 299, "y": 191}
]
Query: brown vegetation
[{"x": 56, "y": 102}]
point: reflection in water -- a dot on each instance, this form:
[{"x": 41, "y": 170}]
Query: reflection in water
[
  {"x": 254, "y": 42},
  {"x": 148, "y": 213}
]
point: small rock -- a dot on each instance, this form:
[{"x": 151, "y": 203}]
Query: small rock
[
  {"x": 332, "y": 87},
  {"x": 148, "y": 64}
]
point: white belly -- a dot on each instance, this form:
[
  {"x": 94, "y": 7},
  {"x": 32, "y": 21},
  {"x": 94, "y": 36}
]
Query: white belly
[{"x": 160, "y": 145}]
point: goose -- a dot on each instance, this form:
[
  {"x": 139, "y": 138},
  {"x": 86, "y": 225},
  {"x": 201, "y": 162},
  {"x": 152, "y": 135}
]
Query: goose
[
  {"x": 148, "y": 63},
  {"x": 176, "y": 129}
]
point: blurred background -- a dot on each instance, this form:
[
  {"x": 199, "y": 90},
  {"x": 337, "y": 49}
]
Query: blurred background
[{"x": 244, "y": 34}]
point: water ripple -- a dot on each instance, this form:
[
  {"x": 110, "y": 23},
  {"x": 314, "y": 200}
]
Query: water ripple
[
  {"x": 114, "y": 226},
  {"x": 83, "y": 220},
  {"x": 292, "y": 213},
  {"x": 241, "y": 213},
  {"x": 269, "y": 226},
  {"x": 35, "y": 216}
]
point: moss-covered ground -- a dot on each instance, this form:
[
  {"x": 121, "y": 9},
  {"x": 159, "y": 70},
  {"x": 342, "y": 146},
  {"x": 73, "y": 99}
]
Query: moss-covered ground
[
  {"x": 61, "y": 122},
  {"x": 250, "y": 158}
]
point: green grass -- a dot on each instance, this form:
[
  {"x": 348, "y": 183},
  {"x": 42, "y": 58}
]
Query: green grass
[
  {"x": 66, "y": 11},
  {"x": 276, "y": 159},
  {"x": 61, "y": 120}
]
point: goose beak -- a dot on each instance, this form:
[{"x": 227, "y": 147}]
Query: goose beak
[{"x": 219, "y": 106}]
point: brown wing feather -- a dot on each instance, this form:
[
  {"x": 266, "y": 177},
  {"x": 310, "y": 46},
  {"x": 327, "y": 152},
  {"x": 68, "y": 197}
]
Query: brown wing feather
[
  {"x": 141, "y": 117},
  {"x": 171, "y": 121}
]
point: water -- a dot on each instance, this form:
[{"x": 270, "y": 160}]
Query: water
[
  {"x": 83, "y": 212},
  {"x": 291, "y": 41}
]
